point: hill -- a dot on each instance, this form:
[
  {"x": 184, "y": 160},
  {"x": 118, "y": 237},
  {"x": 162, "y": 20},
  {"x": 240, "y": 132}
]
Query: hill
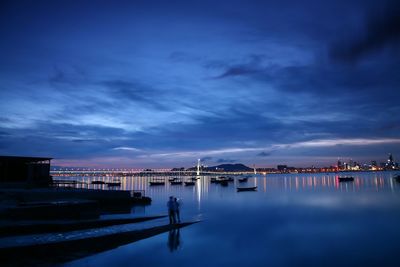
[{"x": 230, "y": 167}]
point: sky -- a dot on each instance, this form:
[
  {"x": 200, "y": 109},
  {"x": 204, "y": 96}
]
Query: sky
[{"x": 163, "y": 83}]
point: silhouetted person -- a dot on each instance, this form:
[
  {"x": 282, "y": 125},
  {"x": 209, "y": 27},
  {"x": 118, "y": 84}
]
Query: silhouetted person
[
  {"x": 177, "y": 206},
  {"x": 171, "y": 210}
]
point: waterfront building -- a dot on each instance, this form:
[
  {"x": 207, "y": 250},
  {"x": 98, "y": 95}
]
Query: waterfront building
[{"x": 25, "y": 170}]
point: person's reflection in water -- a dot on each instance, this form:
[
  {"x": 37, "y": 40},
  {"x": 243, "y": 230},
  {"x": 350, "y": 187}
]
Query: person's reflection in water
[{"x": 174, "y": 240}]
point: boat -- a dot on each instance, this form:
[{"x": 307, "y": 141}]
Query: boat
[
  {"x": 224, "y": 182},
  {"x": 98, "y": 182},
  {"x": 176, "y": 182},
  {"x": 172, "y": 179},
  {"x": 213, "y": 180},
  {"x": 157, "y": 182},
  {"x": 189, "y": 183},
  {"x": 242, "y": 180},
  {"x": 226, "y": 178},
  {"x": 113, "y": 184},
  {"x": 346, "y": 179},
  {"x": 252, "y": 188},
  {"x": 397, "y": 178}
]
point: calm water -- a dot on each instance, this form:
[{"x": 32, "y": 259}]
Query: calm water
[{"x": 307, "y": 219}]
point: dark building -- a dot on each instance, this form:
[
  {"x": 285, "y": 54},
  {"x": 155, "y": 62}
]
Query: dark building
[
  {"x": 390, "y": 162},
  {"x": 282, "y": 168},
  {"x": 25, "y": 170}
]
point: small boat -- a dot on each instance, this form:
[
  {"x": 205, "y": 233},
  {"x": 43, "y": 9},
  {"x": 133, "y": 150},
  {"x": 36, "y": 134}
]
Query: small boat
[
  {"x": 213, "y": 180},
  {"x": 346, "y": 179},
  {"x": 224, "y": 182},
  {"x": 172, "y": 179},
  {"x": 242, "y": 180},
  {"x": 98, "y": 182},
  {"x": 176, "y": 182},
  {"x": 225, "y": 178},
  {"x": 113, "y": 184},
  {"x": 252, "y": 188},
  {"x": 157, "y": 182},
  {"x": 189, "y": 183}
]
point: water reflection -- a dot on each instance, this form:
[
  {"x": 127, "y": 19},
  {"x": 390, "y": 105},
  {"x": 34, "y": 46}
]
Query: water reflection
[
  {"x": 174, "y": 240},
  {"x": 292, "y": 220},
  {"x": 363, "y": 181},
  {"x": 195, "y": 197}
]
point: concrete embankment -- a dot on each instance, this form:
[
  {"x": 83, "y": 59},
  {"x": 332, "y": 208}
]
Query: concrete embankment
[
  {"x": 65, "y": 203},
  {"x": 51, "y": 194},
  {"x": 56, "y": 248},
  {"x": 14, "y": 228}
]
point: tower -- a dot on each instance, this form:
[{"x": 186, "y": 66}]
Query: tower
[{"x": 198, "y": 167}]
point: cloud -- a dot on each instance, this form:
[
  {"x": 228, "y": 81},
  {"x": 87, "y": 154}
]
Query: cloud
[
  {"x": 125, "y": 148},
  {"x": 206, "y": 159},
  {"x": 349, "y": 142},
  {"x": 182, "y": 57},
  {"x": 318, "y": 143},
  {"x": 253, "y": 66},
  {"x": 238, "y": 71},
  {"x": 226, "y": 161},
  {"x": 128, "y": 91},
  {"x": 382, "y": 28},
  {"x": 270, "y": 86},
  {"x": 264, "y": 154},
  {"x": 67, "y": 75}
]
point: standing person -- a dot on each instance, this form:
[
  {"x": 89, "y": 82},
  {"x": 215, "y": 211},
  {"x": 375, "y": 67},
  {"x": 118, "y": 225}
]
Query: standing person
[
  {"x": 171, "y": 210},
  {"x": 177, "y": 206}
]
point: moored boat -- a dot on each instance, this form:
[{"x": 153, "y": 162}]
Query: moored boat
[
  {"x": 157, "y": 183},
  {"x": 98, "y": 182},
  {"x": 189, "y": 183},
  {"x": 242, "y": 180},
  {"x": 252, "y": 188},
  {"x": 224, "y": 182},
  {"x": 346, "y": 179},
  {"x": 113, "y": 184}
]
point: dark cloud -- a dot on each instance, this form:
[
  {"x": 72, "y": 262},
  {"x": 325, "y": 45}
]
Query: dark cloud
[
  {"x": 264, "y": 154},
  {"x": 128, "y": 90},
  {"x": 83, "y": 140},
  {"x": 67, "y": 75},
  {"x": 123, "y": 90},
  {"x": 226, "y": 161},
  {"x": 251, "y": 67},
  {"x": 382, "y": 29},
  {"x": 63, "y": 140},
  {"x": 206, "y": 159}
]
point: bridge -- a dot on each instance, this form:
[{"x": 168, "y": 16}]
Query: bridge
[
  {"x": 127, "y": 172},
  {"x": 144, "y": 172}
]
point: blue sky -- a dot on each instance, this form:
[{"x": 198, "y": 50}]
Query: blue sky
[{"x": 162, "y": 83}]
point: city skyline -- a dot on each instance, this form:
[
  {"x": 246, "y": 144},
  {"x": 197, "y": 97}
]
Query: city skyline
[
  {"x": 156, "y": 84},
  {"x": 344, "y": 164}
]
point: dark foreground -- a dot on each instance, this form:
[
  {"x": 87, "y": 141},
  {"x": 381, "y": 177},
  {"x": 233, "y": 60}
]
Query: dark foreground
[{"x": 56, "y": 247}]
